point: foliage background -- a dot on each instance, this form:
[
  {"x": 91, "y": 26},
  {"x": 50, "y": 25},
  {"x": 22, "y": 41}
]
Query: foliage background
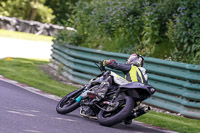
[
  {"x": 46, "y": 11},
  {"x": 62, "y": 10},
  {"x": 27, "y": 9},
  {"x": 164, "y": 29}
]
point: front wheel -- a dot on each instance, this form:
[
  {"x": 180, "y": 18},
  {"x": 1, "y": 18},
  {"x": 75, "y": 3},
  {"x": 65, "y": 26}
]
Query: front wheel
[
  {"x": 68, "y": 103},
  {"x": 110, "y": 118}
]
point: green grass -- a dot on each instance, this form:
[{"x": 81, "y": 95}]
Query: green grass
[
  {"x": 175, "y": 123},
  {"x": 27, "y": 71},
  {"x": 26, "y": 36}
]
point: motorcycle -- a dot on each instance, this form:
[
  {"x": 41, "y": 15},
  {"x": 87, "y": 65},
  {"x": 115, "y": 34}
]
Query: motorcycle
[{"x": 121, "y": 102}]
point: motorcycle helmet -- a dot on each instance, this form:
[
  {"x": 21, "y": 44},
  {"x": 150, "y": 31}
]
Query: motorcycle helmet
[{"x": 136, "y": 60}]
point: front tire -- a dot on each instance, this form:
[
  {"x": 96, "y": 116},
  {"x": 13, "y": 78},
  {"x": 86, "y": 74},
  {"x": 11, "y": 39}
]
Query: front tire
[
  {"x": 68, "y": 103},
  {"x": 117, "y": 116}
]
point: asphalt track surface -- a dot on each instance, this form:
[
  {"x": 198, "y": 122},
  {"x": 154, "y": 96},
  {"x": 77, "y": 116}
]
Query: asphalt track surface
[{"x": 22, "y": 111}]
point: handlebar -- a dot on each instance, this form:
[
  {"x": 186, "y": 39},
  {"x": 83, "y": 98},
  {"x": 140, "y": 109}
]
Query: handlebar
[{"x": 100, "y": 66}]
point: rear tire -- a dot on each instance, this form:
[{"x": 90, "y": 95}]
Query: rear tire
[
  {"x": 118, "y": 116},
  {"x": 68, "y": 103}
]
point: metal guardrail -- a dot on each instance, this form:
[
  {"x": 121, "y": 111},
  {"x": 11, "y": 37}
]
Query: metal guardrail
[{"x": 177, "y": 84}]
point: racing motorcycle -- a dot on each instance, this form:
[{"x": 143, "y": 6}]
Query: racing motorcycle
[{"x": 121, "y": 102}]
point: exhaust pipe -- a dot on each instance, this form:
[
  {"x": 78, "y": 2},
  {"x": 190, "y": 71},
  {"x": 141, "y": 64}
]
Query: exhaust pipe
[{"x": 139, "y": 112}]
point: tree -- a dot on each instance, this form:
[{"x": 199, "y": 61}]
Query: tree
[
  {"x": 33, "y": 9},
  {"x": 27, "y": 9},
  {"x": 62, "y": 9}
]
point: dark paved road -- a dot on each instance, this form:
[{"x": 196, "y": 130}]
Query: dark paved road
[{"x": 24, "y": 112}]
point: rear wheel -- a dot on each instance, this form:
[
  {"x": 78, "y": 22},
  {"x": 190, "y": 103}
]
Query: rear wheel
[
  {"x": 111, "y": 116},
  {"x": 68, "y": 103}
]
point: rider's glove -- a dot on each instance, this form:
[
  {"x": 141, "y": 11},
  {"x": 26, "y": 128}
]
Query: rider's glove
[
  {"x": 107, "y": 62},
  {"x": 104, "y": 63}
]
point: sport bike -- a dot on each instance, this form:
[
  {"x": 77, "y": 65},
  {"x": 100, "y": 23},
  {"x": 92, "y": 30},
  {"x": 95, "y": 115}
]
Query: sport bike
[{"x": 121, "y": 102}]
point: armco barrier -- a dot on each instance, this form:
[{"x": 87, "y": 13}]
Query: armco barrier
[{"x": 177, "y": 84}]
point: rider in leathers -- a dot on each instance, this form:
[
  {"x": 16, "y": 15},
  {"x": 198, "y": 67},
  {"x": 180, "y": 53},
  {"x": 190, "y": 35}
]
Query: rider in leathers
[{"x": 133, "y": 70}]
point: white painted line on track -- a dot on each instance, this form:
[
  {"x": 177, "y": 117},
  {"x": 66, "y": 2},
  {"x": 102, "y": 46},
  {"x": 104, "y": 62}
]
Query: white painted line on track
[
  {"x": 58, "y": 118},
  {"x": 32, "y": 131},
  {"x": 19, "y": 113}
]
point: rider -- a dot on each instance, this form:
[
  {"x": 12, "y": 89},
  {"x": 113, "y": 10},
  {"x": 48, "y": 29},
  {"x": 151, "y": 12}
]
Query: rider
[{"x": 133, "y": 70}]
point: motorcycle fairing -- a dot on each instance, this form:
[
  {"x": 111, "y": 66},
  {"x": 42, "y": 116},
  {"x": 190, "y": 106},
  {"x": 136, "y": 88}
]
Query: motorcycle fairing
[
  {"x": 138, "y": 85},
  {"x": 118, "y": 79}
]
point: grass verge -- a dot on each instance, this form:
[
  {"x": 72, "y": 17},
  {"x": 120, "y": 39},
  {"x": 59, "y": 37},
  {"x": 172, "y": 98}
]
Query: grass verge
[
  {"x": 26, "y": 36},
  {"x": 27, "y": 71},
  {"x": 167, "y": 121}
]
